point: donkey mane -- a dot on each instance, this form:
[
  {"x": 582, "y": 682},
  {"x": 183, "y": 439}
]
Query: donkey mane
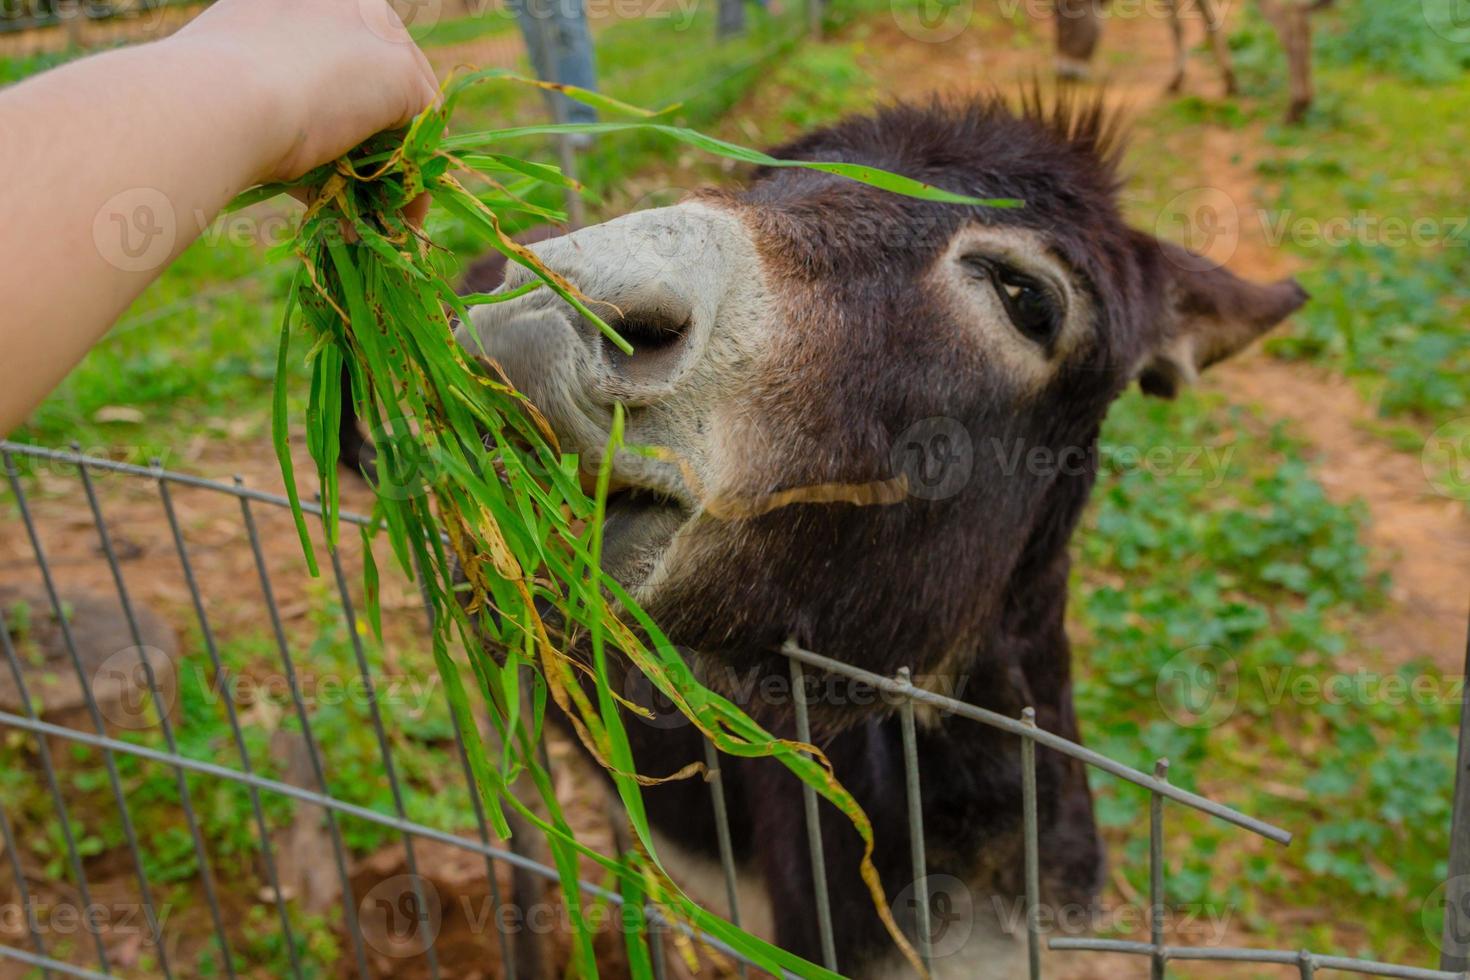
[{"x": 1056, "y": 127}]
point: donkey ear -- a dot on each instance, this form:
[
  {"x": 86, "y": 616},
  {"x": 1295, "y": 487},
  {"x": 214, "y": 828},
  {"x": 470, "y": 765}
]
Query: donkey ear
[{"x": 1207, "y": 314}]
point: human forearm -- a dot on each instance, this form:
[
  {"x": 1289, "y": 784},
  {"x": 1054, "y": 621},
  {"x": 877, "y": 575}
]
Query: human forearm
[
  {"x": 114, "y": 164},
  {"x": 112, "y": 169}
]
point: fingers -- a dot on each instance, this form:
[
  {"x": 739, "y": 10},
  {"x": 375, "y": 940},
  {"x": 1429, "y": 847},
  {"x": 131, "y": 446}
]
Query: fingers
[
  {"x": 423, "y": 93},
  {"x": 415, "y": 213},
  {"x": 427, "y": 69},
  {"x": 417, "y": 210},
  {"x": 423, "y": 85}
]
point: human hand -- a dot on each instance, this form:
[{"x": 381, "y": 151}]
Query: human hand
[{"x": 333, "y": 73}]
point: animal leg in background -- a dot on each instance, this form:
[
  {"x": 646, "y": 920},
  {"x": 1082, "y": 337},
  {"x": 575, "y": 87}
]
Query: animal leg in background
[
  {"x": 1219, "y": 44},
  {"x": 1079, "y": 27},
  {"x": 1214, "y": 30},
  {"x": 1181, "y": 51},
  {"x": 1293, "y": 24}
]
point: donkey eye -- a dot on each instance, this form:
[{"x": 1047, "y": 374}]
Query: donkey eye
[{"x": 1029, "y": 304}]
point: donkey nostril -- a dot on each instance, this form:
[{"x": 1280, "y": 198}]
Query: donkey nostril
[
  {"x": 648, "y": 333},
  {"x": 658, "y": 342}
]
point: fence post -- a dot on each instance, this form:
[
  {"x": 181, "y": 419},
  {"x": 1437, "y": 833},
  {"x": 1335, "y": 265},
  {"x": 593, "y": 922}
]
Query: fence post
[
  {"x": 560, "y": 46},
  {"x": 1031, "y": 843},
  {"x": 813, "y": 824},
  {"x": 1156, "y": 873},
  {"x": 1454, "y": 951},
  {"x": 71, "y": 15},
  {"x": 731, "y": 19},
  {"x": 922, "y": 924}
]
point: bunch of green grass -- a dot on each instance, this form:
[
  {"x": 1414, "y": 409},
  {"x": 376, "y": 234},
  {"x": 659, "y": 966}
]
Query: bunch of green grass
[{"x": 495, "y": 520}]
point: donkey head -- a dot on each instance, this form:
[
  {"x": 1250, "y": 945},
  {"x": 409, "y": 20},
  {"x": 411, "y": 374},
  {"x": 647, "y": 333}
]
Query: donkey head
[
  {"x": 848, "y": 388},
  {"x": 873, "y": 422}
]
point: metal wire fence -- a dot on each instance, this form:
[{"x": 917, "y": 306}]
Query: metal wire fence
[{"x": 143, "y": 783}]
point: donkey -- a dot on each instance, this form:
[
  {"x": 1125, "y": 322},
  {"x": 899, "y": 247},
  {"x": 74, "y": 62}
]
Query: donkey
[
  {"x": 852, "y": 390},
  {"x": 1079, "y": 28}
]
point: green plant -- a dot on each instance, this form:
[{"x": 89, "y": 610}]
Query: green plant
[
  {"x": 1426, "y": 42},
  {"x": 1247, "y": 564}
]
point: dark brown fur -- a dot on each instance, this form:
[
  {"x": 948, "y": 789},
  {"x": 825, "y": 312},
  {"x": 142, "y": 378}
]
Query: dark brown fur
[
  {"x": 974, "y": 586},
  {"x": 970, "y": 589}
]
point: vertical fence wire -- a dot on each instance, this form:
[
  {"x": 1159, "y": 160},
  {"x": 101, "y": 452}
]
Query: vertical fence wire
[
  {"x": 1454, "y": 947},
  {"x": 145, "y": 659},
  {"x": 814, "y": 825},
  {"x": 1031, "y": 834},
  {"x": 288, "y": 667},
  {"x": 109, "y": 761},
  {"x": 224, "y": 688},
  {"x": 53, "y": 789},
  {"x": 722, "y": 835},
  {"x": 370, "y": 694},
  {"x": 922, "y": 925},
  {"x": 1156, "y": 873},
  {"x": 22, "y": 891}
]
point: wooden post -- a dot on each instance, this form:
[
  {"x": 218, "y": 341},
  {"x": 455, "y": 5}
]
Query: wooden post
[{"x": 731, "y": 20}]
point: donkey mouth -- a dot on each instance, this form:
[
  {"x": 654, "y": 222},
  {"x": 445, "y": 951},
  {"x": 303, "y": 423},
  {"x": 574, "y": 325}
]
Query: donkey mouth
[{"x": 640, "y": 527}]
